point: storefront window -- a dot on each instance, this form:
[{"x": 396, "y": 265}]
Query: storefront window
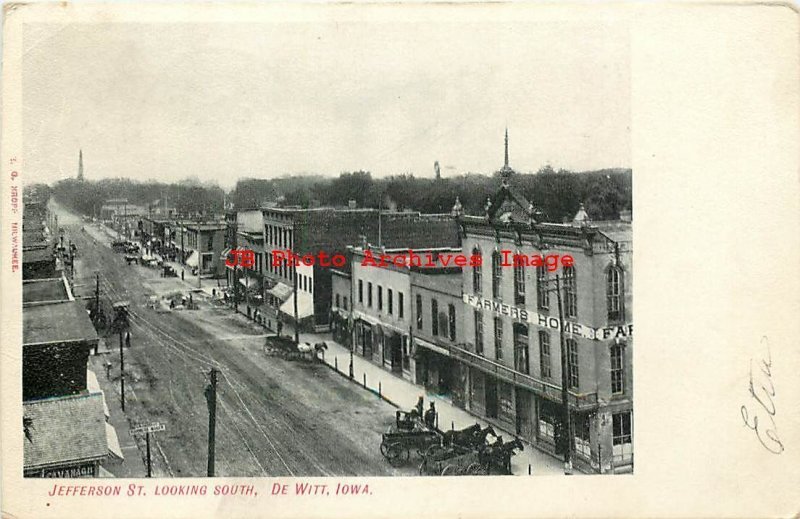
[{"x": 623, "y": 446}]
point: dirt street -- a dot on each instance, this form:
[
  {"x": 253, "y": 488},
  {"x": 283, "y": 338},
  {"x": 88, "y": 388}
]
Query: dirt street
[{"x": 274, "y": 417}]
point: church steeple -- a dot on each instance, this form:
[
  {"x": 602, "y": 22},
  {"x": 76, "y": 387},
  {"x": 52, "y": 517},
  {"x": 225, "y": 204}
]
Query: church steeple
[
  {"x": 506, "y": 171},
  {"x": 80, "y": 165},
  {"x": 505, "y": 166}
]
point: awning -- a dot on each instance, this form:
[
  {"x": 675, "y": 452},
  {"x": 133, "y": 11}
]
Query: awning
[
  {"x": 191, "y": 261},
  {"x": 366, "y": 318},
  {"x": 281, "y": 291},
  {"x": 305, "y": 307},
  {"x": 113, "y": 443},
  {"x": 431, "y": 346}
]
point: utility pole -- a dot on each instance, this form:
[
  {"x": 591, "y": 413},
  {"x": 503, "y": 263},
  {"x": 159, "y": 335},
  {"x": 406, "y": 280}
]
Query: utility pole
[
  {"x": 121, "y": 324},
  {"x": 294, "y": 269},
  {"x": 564, "y": 382},
  {"x": 211, "y": 398},
  {"x": 122, "y": 371}
]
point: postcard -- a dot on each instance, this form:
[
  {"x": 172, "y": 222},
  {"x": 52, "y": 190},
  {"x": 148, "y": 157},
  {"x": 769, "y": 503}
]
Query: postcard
[{"x": 383, "y": 260}]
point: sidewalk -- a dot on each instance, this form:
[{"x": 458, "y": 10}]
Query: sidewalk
[
  {"x": 133, "y": 466},
  {"x": 404, "y": 394}
]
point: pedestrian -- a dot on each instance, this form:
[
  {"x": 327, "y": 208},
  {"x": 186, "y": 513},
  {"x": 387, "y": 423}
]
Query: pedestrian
[
  {"x": 420, "y": 406},
  {"x": 280, "y": 327},
  {"x": 182, "y": 272},
  {"x": 430, "y": 417}
]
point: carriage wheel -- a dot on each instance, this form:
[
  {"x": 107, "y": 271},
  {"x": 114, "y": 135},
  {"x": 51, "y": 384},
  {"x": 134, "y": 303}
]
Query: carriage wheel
[
  {"x": 450, "y": 470},
  {"x": 396, "y": 454},
  {"x": 432, "y": 451},
  {"x": 384, "y": 448},
  {"x": 423, "y": 467}
]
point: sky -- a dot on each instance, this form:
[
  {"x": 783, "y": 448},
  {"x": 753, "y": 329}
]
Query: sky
[{"x": 224, "y": 101}]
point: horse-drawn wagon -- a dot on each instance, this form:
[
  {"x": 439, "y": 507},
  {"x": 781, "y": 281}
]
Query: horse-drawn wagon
[{"x": 407, "y": 434}]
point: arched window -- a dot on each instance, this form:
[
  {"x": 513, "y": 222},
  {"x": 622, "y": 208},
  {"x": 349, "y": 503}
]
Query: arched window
[
  {"x": 614, "y": 294},
  {"x": 497, "y": 274},
  {"x": 542, "y": 292},
  {"x": 570, "y": 292},
  {"x": 519, "y": 283},
  {"x": 477, "y": 274}
]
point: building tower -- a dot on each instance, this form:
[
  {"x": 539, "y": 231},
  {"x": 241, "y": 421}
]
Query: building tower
[
  {"x": 506, "y": 171},
  {"x": 436, "y": 170},
  {"x": 80, "y": 165}
]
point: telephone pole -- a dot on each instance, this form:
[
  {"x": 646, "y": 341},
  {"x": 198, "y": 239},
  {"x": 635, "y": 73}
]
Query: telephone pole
[
  {"x": 121, "y": 325},
  {"x": 564, "y": 383},
  {"x": 211, "y": 398},
  {"x": 294, "y": 269}
]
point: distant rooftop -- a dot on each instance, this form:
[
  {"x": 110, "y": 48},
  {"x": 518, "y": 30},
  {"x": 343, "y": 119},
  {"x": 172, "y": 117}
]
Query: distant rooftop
[
  {"x": 58, "y": 322},
  {"x": 39, "y": 290}
]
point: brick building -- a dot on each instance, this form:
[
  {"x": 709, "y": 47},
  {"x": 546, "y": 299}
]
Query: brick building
[
  {"x": 514, "y": 316},
  {"x": 331, "y": 230}
]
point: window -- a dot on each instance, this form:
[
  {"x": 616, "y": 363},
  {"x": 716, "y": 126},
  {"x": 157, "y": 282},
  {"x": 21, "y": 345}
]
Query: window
[
  {"x": 451, "y": 321},
  {"x": 389, "y": 300},
  {"x": 541, "y": 288},
  {"x": 519, "y": 285},
  {"x": 345, "y": 303},
  {"x": 400, "y": 305},
  {"x": 521, "y": 358},
  {"x": 623, "y": 447},
  {"x": 477, "y": 274},
  {"x": 369, "y": 294},
  {"x": 478, "y": 332},
  {"x": 572, "y": 363},
  {"x": 498, "y": 338},
  {"x": 570, "y": 292},
  {"x": 361, "y": 291},
  {"x": 544, "y": 354},
  {"x": 419, "y": 312},
  {"x": 434, "y": 317},
  {"x": 380, "y": 298},
  {"x": 614, "y": 294},
  {"x": 337, "y": 300},
  {"x": 497, "y": 275},
  {"x": 210, "y": 242},
  {"x": 617, "y": 373}
]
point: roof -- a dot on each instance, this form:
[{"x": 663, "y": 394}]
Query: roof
[
  {"x": 64, "y": 430},
  {"x": 39, "y": 290},
  {"x": 207, "y": 226},
  {"x": 57, "y": 322},
  {"x": 37, "y": 255},
  {"x": 616, "y": 231}
]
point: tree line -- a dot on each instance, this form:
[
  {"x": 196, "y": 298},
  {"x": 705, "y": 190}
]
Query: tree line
[{"x": 557, "y": 194}]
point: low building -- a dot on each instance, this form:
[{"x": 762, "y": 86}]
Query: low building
[
  {"x": 65, "y": 437},
  {"x": 64, "y": 412},
  {"x": 329, "y": 231},
  {"x": 203, "y": 244},
  {"x": 437, "y": 311}
]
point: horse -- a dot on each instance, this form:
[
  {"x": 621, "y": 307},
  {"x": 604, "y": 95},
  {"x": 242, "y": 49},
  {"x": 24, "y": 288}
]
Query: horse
[
  {"x": 499, "y": 454},
  {"x": 312, "y": 351},
  {"x": 466, "y": 436}
]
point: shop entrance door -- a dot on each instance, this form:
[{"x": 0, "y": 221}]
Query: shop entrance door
[{"x": 491, "y": 398}]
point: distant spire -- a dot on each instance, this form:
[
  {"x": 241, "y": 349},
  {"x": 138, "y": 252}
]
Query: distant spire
[
  {"x": 80, "y": 165},
  {"x": 506, "y": 162}
]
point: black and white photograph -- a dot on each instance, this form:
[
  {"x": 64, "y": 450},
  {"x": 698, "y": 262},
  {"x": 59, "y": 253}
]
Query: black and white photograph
[
  {"x": 320, "y": 250},
  {"x": 333, "y": 260}
]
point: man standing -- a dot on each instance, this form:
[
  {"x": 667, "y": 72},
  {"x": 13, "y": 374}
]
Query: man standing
[{"x": 430, "y": 417}]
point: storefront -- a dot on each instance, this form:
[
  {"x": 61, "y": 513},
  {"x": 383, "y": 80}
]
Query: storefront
[{"x": 436, "y": 370}]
